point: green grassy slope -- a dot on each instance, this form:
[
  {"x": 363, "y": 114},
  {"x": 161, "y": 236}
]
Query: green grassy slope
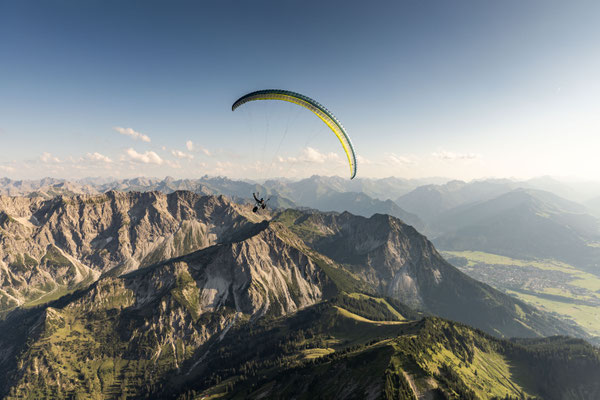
[
  {"x": 350, "y": 346},
  {"x": 330, "y": 352}
]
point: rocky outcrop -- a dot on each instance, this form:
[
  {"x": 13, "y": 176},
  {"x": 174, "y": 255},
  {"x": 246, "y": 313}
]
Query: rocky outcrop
[
  {"x": 403, "y": 264},
  {"x": 182, "y": 270},
  {"x": 53, "y": 246},
  {"x": 161, "y": 316}
]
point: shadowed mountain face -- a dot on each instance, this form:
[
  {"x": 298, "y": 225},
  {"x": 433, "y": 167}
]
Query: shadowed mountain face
[
  {"x": 147, "y": 335},
  {"x": 401, "y": 263},
  {"x": 403, "y": 360},
  {"x": 430, "y": 201},
  {"x": 594, "y": 206},
  {"x": 524, "y": 223},
  {"x": 189, "y": 282},
  {"x": 159, "y": 316}
]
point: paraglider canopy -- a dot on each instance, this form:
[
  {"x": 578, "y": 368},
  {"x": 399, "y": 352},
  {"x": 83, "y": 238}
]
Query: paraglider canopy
[{"x": 318, "y": 109}]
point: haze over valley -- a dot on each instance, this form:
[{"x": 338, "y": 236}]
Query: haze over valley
[{"x": 167, "y": 279}]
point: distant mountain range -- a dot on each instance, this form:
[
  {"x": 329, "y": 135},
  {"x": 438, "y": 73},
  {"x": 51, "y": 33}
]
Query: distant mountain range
[
  {"x": 51, "y": 247},
  {"x": 429, "y": 201},
  {"x": 362, "y": 196},
  {"x": 524, "y": 223},
  {"x": 429, "y": 208},
  {"x": 382, "y": 189},
  {"x": 156, "y": 295},
  {"x": 488, "y": 215},
  {"x": 594, "y": 206}
]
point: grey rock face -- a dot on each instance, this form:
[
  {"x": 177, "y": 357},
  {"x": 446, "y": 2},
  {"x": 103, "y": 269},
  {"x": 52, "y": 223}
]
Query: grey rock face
[
  {"x": 162, "y": 315},
  {"x": 401, "y": 263},
  {"x": 52, "y": 246}
]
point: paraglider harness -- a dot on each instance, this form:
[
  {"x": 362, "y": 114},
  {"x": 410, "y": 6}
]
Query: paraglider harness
[{"x": 262, "y": 203}]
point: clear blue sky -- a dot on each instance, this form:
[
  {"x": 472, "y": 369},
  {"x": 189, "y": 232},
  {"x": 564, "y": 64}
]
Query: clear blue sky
[{"x": 464, "y": 89}]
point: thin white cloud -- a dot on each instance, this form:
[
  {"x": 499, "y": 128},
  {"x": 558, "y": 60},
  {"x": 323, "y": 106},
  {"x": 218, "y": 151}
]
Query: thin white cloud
[
  {"x": 312, "y": 155},
  {"x": 6, "y": 168},
  {"x": 397, "y": 160},
  {"x": 180, "y": 154},
  {"x": 224, "y": 164},
  {"x": 363, "y": 160},
  {"x": 148, "y": 157},
  {"x": 224, "y": 167},
  {"x": 173, "y": 164},
  {"x": 193, "y": 147},
  {"x": 308, "y": 157},
  {"x": 47, "y": 158},
  {"x": 133, "y": 134},
  {"x": 98, "y": 157},
  {"x": 450, "y": 156}
]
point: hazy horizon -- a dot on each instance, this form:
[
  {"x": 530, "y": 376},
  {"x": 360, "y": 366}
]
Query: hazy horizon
[{"x": 108, "y": 178}]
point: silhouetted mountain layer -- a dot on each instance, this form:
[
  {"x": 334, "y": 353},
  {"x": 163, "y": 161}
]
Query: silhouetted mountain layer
[
  {"x": 524, "y": 223},
  {"x": 429, "y": 201}
]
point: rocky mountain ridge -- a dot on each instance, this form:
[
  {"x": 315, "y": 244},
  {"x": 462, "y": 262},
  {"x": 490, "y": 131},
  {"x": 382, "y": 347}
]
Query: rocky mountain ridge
[
  {"x": 524, "y": 223},
  {"x": 52, "y": 246},
  {"x": 401, "y": 263},
  {"x": 183, "y": 270},
  {"x": 382, "y": 189},
  {"x": 162, "y": 314},
  {"x": 362, "y": 196}
]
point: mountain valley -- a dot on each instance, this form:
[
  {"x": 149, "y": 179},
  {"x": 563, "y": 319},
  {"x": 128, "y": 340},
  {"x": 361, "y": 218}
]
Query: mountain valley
[{"x": 193, "y": 291}]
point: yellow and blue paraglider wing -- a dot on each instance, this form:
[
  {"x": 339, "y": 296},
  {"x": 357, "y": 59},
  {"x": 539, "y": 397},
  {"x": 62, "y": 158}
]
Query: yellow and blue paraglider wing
[{"x": 306, "y": 102}]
